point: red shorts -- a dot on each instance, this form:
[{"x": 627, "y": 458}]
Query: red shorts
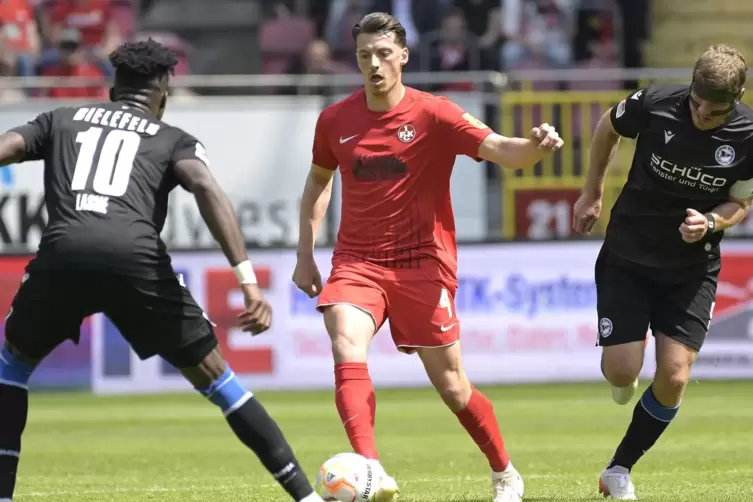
[{"x": 421, "y": 311}]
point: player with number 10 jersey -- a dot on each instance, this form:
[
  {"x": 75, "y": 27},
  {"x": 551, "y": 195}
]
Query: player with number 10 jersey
[
  {"x": 109, "y": 169},
  {"x": 108, "y": 191}
]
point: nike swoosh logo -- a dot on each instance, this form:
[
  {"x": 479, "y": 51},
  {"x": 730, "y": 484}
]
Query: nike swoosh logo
[
  {"x": 447, "y": 328},
  {"x": 345, "y": 140}
]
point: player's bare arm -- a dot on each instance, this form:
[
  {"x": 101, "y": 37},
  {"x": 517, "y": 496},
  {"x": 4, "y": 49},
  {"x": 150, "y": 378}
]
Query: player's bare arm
[
  {"x": 218, "y": 213},
  {"x": 314, "y": 204},
  {"x": 12, "y": 148},
  {"x": 697, "y": 225},
  {"x": 519, "y": 153},
  {"x": 604, "y": 144}
]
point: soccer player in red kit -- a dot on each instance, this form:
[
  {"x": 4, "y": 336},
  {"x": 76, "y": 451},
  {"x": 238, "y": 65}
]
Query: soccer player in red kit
[{"x": 396, "y": 253}]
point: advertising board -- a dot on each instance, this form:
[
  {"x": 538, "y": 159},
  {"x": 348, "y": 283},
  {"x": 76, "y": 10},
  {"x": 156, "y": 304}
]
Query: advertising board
[{"x": 527, "y": 312}]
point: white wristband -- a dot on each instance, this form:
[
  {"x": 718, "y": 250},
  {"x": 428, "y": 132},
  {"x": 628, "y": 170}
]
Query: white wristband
[{"x": 244, "y": 271}]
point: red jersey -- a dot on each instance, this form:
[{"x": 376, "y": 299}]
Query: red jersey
[
  {"x": 17, "y": 20},
  {"x": 90, "y": 17},
  {"x": 395, "y": 168}
]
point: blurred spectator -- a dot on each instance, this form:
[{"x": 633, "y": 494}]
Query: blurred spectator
[
  {"x": 455, "y": 49},
  {"x": 8, "y": 69},
  {"x": 181, "y": 48},
  {"x": 283, "y": 36},
  {"x": 18, "y": 27},
  {"x": 601, "y": 55},
  {"x": 73, "y": 62},
  {"x": 338, "y": 30},
  {"x": 635, "y": 32},
  {"x": 20, "y": 35},
  {"x": 317, "y": 60},
  {"x": 417, "y": 16},
  {"x": 484, "y": 20},
  {"x": 594, "y": 21},
  {"x": 93, "y": 18},
  {"x": 536, "y": 30}
]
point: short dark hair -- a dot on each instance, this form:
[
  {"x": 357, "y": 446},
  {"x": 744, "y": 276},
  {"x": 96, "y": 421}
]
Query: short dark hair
[
  {"x": 381, "y": 22},
  {"x": 139, "y": 64}
]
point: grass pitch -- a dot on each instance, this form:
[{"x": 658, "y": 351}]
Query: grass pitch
[{"x": 178, "y": 448}]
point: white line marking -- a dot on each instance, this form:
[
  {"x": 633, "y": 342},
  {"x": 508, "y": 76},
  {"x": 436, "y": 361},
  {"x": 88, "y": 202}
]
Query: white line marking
[
  {"x": 222, "y": 488},
  {"x": 241, "y": 486}
]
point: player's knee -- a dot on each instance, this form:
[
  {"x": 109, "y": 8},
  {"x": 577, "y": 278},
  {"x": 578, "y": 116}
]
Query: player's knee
[
  {"x": 15, "y": 371},
  {"x": 670, "y": 381},
  {"x": 227, "y": 392},
  {"x": 351, "y": 331},
  {"x": 348, "y": 349},
  {"x": 621, "y": 364},
  {"x": 455, "y": 390}
]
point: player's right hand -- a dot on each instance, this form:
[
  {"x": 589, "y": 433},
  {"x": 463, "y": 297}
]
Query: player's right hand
[
  {"x": 257, "y": 317},
  {"x": 306, "y": 275},
  {"x": 586, "y": 212}
]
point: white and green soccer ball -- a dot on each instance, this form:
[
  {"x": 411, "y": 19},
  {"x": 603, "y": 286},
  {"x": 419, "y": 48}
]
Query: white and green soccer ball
[{"x": 347, "y": 477}]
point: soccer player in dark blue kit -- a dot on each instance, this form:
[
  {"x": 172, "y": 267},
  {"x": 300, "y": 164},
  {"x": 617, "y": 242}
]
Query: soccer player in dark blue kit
[
  {"x": 691, "y": 178},
  {"x": 109, "y": 168}
]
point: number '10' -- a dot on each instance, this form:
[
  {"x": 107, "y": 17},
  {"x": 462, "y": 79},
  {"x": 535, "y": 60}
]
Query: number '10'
[{"x": 116, "y": 156}]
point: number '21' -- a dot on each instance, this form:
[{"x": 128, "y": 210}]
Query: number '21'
[{"x": 116, "y": 156}]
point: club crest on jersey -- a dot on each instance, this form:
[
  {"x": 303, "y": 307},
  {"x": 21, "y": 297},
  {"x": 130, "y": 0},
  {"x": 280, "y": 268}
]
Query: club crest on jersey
[
  {"x": 406, "y": 133},
  {"x": 725, "y": 155}
]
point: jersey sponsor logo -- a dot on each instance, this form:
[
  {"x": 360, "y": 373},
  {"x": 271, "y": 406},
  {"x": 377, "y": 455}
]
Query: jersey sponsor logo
[
  {"x": 725, "y": 155},
  {"x": 379, "y": 168},
  {"x": 621, "y": 109},
  {"x": 690, "y": 176},
  {"x": 474, "y": 121},
  {"x": 605, "y": 327},
  {"x": 668, "y": 135},
  {"x": 406, "y": 133}
]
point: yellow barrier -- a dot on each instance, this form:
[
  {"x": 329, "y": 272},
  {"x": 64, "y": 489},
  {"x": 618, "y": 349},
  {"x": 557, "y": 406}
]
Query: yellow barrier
[{"x": 537, "y": 202}]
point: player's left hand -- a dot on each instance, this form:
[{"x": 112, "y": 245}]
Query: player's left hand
[
  {"x": 695, "y": 226},
  {"x": 257, "y": 316},
  {"x": 547, "y": 138}
]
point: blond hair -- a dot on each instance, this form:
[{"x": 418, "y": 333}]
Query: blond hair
[{"x": 721, "y": 67}]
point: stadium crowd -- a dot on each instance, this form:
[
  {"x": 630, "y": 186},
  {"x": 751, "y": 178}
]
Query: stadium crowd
[{"x": 69, "y": 38}]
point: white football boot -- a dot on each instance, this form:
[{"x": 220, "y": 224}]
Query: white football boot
[
  {"x": 616, "y": 483},
  {"x": 387, "y": 489},
  {"x": 508, "y": 485},
  {"x": 623, "y": 395}
]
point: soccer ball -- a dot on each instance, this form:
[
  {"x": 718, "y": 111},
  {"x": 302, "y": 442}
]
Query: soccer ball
[{"x": 347, "y": 477}]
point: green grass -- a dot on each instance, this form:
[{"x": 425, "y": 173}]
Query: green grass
[{"x": 178, "y": 448}]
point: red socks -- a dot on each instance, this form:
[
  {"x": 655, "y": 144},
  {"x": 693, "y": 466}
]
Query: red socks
[
  {"x": 479, "y": 420},
  {"x": 356, "y": 404}
]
